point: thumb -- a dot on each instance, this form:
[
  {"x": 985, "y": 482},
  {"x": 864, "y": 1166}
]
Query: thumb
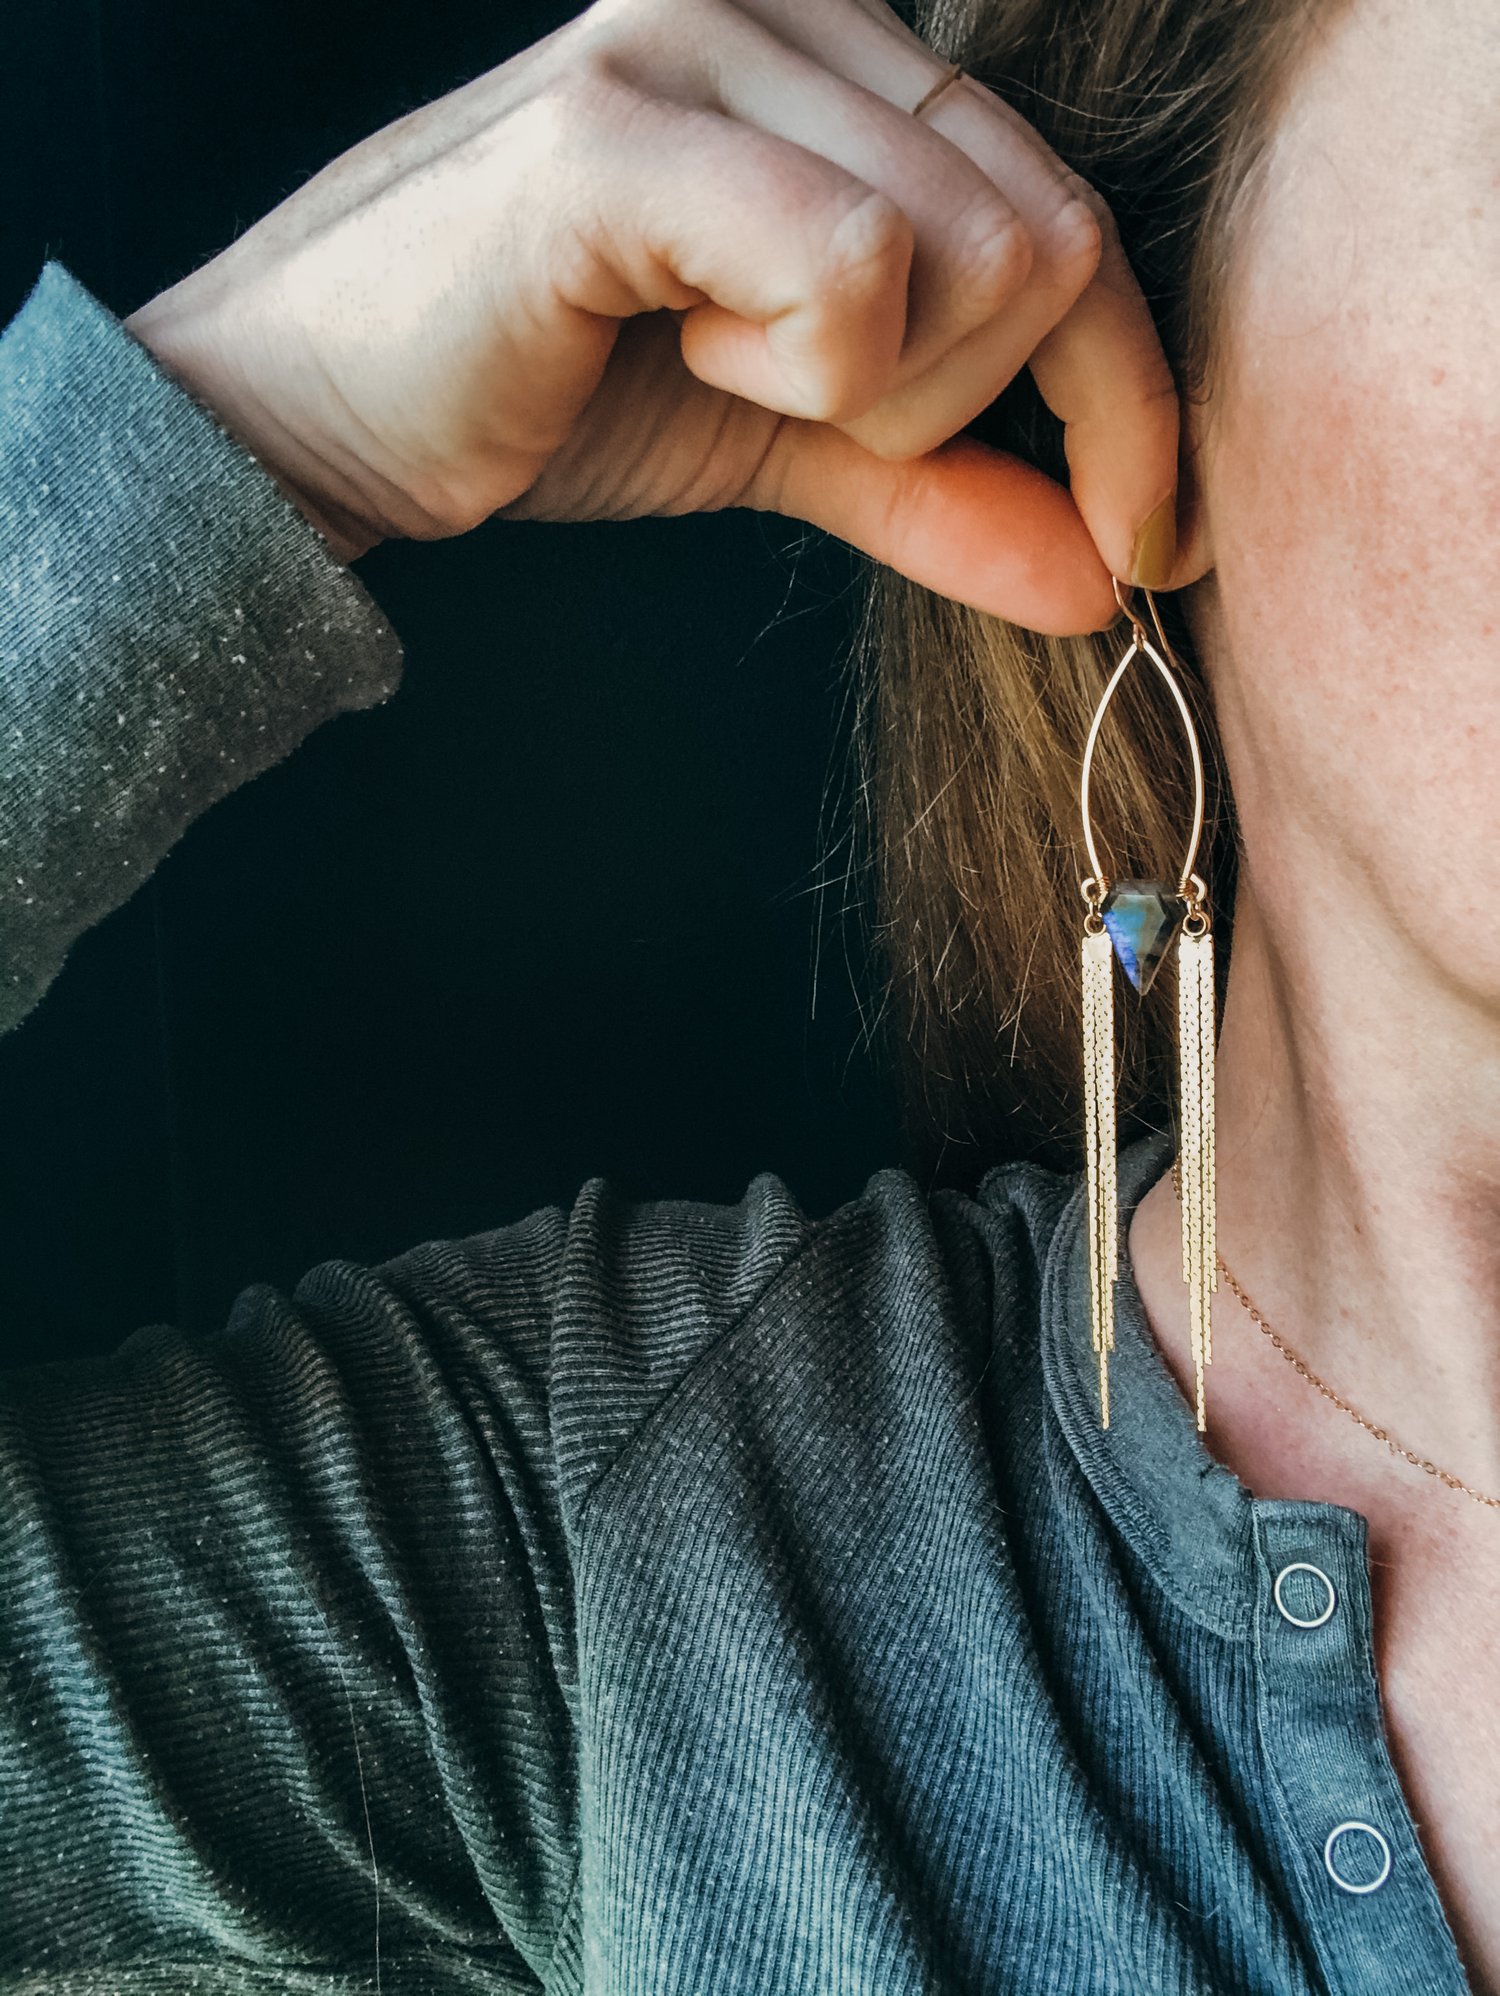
[{"x": 965, "y": 520}]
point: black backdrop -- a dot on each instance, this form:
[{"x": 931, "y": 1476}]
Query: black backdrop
[{"x": 551, "y": 912}]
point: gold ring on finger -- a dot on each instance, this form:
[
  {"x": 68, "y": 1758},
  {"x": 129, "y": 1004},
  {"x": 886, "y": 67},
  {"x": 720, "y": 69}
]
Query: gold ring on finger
[{"x": 944, "y": 82}]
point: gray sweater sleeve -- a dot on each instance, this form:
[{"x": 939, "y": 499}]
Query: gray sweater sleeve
[{"x": 170, "y": 625}]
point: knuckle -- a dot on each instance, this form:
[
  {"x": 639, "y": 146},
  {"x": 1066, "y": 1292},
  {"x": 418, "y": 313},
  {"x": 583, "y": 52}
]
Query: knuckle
[
  {"x": 870, "y": 238},
  {"x": 1076, "y": 241},
  {"x": 994, "y": 253},
  {"x": 834, "y": 394},
  {"x": 1084, "y": 222},
  {"x": 593, "y": 94},
  {"x": 619, "y": 21},
  {"x": 573, "y": 116},
  {"x": 851, "y": 306},
  {"x": 648, "y": 40},
  {"x": 1075, "y": 188}
]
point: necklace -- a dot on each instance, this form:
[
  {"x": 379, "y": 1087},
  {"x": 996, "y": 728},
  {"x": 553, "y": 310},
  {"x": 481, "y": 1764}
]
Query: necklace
[{"x": 1408, "y": 1455}]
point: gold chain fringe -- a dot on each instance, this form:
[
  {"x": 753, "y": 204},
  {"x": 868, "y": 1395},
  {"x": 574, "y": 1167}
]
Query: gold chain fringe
[
  {"x": 1099, "y": 1138},
  {"x": 1195, "y": 1055}
]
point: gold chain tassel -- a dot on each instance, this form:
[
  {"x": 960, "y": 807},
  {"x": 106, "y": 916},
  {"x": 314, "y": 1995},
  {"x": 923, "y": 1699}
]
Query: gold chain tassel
[
  {"x": 1099, "y": 1126},
  {"x": 1195, "y": 1043},
  {"x": 1208, "y": 1041}
]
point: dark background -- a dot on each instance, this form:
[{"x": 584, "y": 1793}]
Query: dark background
[{"x": 554, "y": 911}]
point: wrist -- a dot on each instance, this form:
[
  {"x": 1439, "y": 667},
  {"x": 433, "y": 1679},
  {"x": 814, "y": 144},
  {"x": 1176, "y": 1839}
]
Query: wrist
[
  {"x": 347, "y": 537},
  {"x": 205, "y": 374}
]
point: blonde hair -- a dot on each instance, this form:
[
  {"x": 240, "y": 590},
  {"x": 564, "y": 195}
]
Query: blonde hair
[{"x": 969, "y": 731}]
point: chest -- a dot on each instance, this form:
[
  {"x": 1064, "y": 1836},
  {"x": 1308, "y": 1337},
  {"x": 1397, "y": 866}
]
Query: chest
[{"x": 1436, "y": 1617}]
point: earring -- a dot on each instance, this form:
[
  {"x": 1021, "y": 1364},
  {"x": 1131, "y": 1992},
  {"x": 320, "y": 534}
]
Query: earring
[{"x": 1138, "y": 921}]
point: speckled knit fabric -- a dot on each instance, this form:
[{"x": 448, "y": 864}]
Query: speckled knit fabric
[
  {"x": 639, "y": 1599},
  {"x": 168, "y": 622}
]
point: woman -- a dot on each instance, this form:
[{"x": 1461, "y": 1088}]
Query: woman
[{"x": 665, "y": 1597}]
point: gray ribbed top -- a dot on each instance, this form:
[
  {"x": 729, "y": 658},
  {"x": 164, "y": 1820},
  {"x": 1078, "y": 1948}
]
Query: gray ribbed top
[{"x": 641, "y": 1598}]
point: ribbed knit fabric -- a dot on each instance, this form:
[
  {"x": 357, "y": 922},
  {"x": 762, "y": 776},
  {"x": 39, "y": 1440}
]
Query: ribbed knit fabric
[{"x": 643, "y": 1598}]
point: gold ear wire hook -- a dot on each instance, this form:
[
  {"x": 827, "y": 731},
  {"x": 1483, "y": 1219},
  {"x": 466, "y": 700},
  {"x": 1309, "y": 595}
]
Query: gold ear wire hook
[
  {"x": 1188, "y": 882},
  {"x": 1127, "y": 609}
]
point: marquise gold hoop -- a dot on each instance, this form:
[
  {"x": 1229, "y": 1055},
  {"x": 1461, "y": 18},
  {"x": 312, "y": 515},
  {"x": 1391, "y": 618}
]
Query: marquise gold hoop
[
  {"x": 1136, "y": 922},
  {"x": 1141, "y": 646}
]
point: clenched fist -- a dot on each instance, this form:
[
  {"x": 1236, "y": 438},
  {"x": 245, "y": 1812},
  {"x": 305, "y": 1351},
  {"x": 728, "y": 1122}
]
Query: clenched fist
[{"x": 688, "y": 254}]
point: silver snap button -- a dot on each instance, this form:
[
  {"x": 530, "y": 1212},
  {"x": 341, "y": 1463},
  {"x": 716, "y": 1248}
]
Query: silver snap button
[
  {"x": 1305, "y": 1621},
  {"x": 1381, "y": 1849}
]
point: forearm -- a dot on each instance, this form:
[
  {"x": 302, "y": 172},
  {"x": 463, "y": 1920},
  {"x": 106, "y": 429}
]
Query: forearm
[{"x": 170, "y": 625}]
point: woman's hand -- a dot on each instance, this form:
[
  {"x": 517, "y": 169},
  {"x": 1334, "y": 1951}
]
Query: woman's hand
[{"x": 688, "y": 254}]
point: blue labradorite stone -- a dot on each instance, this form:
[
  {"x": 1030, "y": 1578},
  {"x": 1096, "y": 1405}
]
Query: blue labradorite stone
[{"x": 1142, "y": 917}]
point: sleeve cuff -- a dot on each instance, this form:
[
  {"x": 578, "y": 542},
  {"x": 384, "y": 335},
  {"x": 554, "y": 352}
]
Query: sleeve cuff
[{"x": 170, "y": 624}]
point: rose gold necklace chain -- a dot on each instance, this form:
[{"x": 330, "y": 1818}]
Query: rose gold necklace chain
[
  {"x": 1418, "y": 1461},
  {"x": 1408, "y": 1455}
]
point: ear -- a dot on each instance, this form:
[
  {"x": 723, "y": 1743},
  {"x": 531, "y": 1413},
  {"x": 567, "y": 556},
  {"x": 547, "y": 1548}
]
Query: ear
[{"x": 1194, "y": 556}]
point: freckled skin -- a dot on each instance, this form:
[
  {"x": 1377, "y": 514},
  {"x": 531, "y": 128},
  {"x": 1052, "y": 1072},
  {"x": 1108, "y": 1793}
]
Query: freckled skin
[
  {"x": 1355, "y": 487},
  {"x": 1350, "y": 469}
]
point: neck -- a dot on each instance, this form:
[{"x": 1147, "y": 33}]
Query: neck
[{"x": 1359, "y": 1205}]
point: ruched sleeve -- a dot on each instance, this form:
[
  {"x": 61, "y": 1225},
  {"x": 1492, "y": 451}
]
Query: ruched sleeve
[{"x": 289, "y": 1683}]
